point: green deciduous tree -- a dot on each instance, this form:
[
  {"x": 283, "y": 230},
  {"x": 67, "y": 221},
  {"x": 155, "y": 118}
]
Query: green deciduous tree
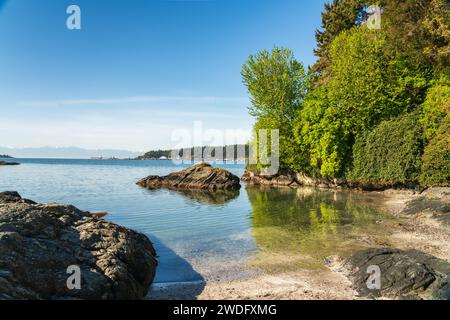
[
  {"x": 357, "y": 87},
  {"x": 277, "y": 83},
  {"x": 363, "y": 89},
  {"x": 323, "y": 140},
  {"x": 338, "y": 16},
  {"x": 419, "y": 29},
  {"x": 392, "y": 82}
]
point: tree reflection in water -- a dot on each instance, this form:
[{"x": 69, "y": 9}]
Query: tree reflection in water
[{"x": 301, "y": 227}]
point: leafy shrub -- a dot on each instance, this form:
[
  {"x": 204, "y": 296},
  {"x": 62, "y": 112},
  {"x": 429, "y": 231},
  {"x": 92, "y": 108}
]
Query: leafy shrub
[
  {"x": 436, "y": 158},
  {"x": 436, "y": 106},
  {"x": 390, "y": 153}
]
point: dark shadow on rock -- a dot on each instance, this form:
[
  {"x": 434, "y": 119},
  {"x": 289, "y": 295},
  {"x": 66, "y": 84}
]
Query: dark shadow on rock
[
  {"x": 175, "y": 278},
  {"x": 440, "y": 209}
]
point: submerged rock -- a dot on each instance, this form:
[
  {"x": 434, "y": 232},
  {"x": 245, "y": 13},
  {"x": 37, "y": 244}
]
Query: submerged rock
[
  {"x": 5, "y": 163},
  {"x": 40, "y": 243},
  {"x": 200, "y": 176},
  {"x": 409, "y": 273}
]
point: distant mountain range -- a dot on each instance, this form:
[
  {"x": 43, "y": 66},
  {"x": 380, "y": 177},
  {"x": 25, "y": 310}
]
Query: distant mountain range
[{"x": 67, "y": 153}]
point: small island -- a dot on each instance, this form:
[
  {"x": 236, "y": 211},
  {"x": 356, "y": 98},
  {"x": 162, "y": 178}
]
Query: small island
[{"x": 5, "y": 156}]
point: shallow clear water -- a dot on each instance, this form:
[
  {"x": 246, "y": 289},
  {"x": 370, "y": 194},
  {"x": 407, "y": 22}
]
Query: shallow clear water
[{"x": 200, "y": 235}]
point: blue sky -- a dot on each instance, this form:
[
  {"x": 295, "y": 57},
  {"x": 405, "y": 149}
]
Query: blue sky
[{"x": 137, "y": 70}]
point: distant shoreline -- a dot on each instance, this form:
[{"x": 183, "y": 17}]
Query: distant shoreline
[{"x": 132, "y": 159}]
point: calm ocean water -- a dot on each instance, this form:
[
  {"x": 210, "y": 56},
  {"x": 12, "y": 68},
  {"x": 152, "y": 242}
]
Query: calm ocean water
[{"x": 199, "y": 235}]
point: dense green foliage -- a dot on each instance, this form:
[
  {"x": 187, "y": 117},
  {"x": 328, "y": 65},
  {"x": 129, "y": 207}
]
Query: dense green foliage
[
  {"x": 277, "y": 83},
  {"x": 419, "y": 30},
  {"x": 390, "y": 153},
  {"x": 436, "y": 159},
  {"x": 375, "y": 106},
  {"x": 436, "y": 107},
  {"x": 338, "y": 16}
]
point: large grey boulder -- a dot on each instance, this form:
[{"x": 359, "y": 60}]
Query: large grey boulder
[
  {"x": 200, "y": 176},
  {"x": 403, "y": 273},
  {"x": 39, "y": 242}
]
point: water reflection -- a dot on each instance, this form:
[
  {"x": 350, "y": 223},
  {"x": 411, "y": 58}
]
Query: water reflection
[
  {"x": 217, "y": 197},
  {"x": 303, "y": 226}
]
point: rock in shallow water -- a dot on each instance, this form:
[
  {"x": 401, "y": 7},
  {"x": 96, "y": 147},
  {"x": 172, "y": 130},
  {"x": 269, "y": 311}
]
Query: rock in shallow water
[
  {"x": 13, "y": 197},
  {"x": 5, "y": 163},
  {"x": 284, "y": 178},
  {"x": 38, "y": 242},
  {"x": 200, "y": 176},
  {"x": 403, "y": 273}
]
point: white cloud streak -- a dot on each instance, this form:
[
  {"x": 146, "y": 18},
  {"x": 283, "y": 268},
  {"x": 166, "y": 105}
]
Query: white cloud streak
[{"x": 137, "y": 99}]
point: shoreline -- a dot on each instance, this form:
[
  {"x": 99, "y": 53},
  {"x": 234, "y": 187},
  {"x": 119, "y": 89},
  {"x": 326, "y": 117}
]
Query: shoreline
[
  {"x": 421, "y": 231},
  {"x": 289, "y": 179}
]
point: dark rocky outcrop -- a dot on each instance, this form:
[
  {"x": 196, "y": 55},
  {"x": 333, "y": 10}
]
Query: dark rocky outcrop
[
  {"x": 283, "y": 178},
  {"x": 201, "y": 176},
  {"x": 404, "y": 274},
  {"x": 38, "y": 242},
  {"x": 288, "y": 178},
  {"x": 13, "y": 197},
  {"x": 6, "y": 163}
]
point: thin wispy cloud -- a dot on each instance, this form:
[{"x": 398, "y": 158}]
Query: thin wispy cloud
[
  {"x": 138, "y": 99},
  {"x": 131, "y": 123}
]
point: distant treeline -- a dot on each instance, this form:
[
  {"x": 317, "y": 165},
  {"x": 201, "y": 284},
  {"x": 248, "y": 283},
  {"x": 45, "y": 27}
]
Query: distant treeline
[
  {"x": 230, "y": 153},
  {"x": 4, "y": 156}
]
